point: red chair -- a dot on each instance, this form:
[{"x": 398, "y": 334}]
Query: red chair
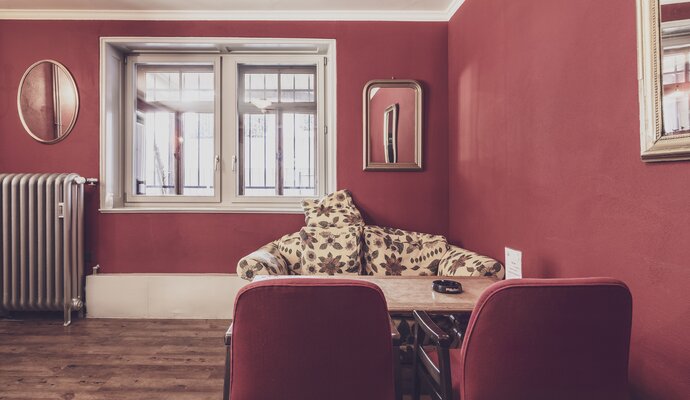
[
  {"x": 310, "y": 339},
  {"x": 534, "y": 339}
]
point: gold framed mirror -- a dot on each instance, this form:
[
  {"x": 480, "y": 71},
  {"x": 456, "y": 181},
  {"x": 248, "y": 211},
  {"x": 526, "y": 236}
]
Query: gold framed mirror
[
  {"x": 664, "y": 79},
  {"x": 392, "y": 125},
  {"x": 48, "y": 101}
]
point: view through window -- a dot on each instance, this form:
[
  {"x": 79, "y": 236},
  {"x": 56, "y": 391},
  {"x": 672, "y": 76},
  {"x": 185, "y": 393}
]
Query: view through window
[
  {"x": 277, "y": 117},
  {"x": 173, "y": 139}
]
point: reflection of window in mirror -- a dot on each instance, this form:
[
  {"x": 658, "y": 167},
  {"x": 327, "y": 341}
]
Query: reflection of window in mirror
[
  {"x": 390, "y": 133},
  {"x": 675, "y": 59},
  {"x": 676, "y": 93}
]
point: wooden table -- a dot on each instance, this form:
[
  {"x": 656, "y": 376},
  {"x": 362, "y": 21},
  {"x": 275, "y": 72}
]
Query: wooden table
[{"x": 406, "y": 293}]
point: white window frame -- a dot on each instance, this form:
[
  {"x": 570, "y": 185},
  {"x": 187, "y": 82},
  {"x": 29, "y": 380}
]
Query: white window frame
[
  {"x": 116, "y": 136},
  {"x": 231, "y": 122},
  {"x": 130, "y": 123}
]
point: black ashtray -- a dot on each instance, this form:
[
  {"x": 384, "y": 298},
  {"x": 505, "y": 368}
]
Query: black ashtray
[{"x": 446, "y": 286}]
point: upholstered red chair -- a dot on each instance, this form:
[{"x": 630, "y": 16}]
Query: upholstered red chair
[
  {"x": 310, "y": 339},
  {"x": 534, "y": 339}
]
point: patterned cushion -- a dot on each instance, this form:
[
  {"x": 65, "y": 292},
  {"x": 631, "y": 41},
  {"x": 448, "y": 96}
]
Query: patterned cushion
[
  {"x": 390, "y": 251},
  {"x": 290, "y": 247},
  {"x": 265, "y": 261},
  {"x": 336, "y": 209},
  {"x": 330, "y": 251},
  {"x": 460, "y": 262}
]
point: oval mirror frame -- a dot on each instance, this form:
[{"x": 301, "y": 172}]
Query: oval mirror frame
[{"x": 70, "y": 84}]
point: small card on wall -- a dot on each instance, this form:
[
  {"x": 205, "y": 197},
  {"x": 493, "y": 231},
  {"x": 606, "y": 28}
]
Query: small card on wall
[{"x": 513, "y": 264}]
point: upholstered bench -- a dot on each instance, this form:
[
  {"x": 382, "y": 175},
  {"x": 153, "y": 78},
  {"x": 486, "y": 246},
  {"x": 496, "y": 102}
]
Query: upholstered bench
[{"x": 335, "y": 241}]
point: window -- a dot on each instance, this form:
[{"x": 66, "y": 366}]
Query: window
[
  {"x": 173, "y": 128},
  {"x": 234, "y": 125},
  {"x": 277, "y": 118}
]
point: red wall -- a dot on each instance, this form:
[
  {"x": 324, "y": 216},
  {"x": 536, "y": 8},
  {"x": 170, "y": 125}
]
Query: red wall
[
  {"x": 675, "y": 12},
  {"x": 214, "y": 242},
  {"x": 545, "y": 158}
]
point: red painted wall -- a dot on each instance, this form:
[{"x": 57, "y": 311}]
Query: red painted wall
[
  {"x": 675, "y": 12},
  {"x": 545, "y": 158},
  {"x": 214, "y": 242},
  {"x": 405, "y": 98}
]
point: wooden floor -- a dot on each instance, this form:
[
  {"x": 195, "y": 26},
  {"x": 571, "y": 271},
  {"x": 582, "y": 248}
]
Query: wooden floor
[{"x": 112, "y": 359}]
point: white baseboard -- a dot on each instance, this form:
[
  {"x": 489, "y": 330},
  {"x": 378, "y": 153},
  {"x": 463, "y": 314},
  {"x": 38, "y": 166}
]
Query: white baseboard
[{"x": 162, "y": 296}]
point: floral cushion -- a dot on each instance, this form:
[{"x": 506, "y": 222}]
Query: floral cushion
[
  {"x": 290, "y": 247},
  {"x": 336, "y": 209},
  {"x": 460, "y": 262},
  {"x": 331, "y": 251},
  {"x": 390, "y": 251},
  {"x": 265, "y": 261}
]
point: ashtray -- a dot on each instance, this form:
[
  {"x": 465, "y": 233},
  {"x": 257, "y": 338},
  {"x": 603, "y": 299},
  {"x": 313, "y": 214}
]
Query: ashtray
[{"x": 447, "y": 286}]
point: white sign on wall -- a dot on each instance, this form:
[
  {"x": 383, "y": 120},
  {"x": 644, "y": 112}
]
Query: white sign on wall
[{"x": 513, "y": 264}]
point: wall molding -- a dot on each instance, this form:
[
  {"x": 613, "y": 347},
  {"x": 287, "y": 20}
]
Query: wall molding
[
  {"x": 162, "y": 296},
  {"x": 226, "y": 15}
]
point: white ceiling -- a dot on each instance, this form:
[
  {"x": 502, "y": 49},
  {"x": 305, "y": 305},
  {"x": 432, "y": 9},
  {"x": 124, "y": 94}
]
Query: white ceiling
[{"x": 368, "y": 10}]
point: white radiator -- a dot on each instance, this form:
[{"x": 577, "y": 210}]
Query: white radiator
[{"x": 42, "y": 252}]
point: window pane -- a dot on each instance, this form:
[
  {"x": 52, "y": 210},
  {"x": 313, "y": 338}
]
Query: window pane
[
  {"x": 297, "y": 88},
  {"x": 278, "y": 136},
  {"x": 260, "y": 87},
  {"x": 299, "y": 161},
  {"x": 259, "y": 150},
  {"x": 173, "y": 144}
]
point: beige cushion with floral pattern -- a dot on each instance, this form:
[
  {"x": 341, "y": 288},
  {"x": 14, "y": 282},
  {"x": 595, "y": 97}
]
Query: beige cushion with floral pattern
[
  {"x": 331, "y": 251},
  {"x": 290, "y": 247},
  {"x": 460, "y": 262},
  {"x": 390, "y": 251},
  {"x": 335, "y": 209},
  {"x": 265, "y": 261}
]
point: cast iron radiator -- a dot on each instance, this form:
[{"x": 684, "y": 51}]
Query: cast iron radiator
[{"x": 42, "y": 234}]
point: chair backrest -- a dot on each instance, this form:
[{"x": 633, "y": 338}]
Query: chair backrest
[
  {"x": 548, "y": 339},
  {"x": 311, "y": 339}
]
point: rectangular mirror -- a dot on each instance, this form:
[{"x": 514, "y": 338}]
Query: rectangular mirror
[
  {"x": 664, "y": 76},
  {"x": 392, "y": 125}
]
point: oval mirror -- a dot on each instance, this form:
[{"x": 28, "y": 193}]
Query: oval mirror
[{"x": 48, "y": 101}]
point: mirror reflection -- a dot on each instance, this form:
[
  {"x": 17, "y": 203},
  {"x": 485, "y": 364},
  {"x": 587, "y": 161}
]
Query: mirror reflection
[
  {"x": 392, "y": 125},
  {"x": 675, "y": 67},
  {"x": 48, "y": 101}
]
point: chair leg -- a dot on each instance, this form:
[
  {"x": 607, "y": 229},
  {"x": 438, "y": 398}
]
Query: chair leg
[
  {"x": 397, "y": 372},
  {"x": 226, "y": 378},
  {"x": 416, "y": 390}
]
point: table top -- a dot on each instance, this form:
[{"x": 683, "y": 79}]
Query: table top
[{"x": 406, "y": 293}]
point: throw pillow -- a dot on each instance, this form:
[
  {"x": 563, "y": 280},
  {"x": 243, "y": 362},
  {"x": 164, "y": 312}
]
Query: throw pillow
[
  {"x": 390, "y": 251},
  {"x": 331, "y": 251},
  {"x": 336, "y": 209}
]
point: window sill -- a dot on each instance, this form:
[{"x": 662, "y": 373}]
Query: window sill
[{"x": 202, "y": 210}]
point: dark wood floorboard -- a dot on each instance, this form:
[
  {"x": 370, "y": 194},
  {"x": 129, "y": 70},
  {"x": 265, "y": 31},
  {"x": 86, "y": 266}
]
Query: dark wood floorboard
[{"x": 111, "y": 359}]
